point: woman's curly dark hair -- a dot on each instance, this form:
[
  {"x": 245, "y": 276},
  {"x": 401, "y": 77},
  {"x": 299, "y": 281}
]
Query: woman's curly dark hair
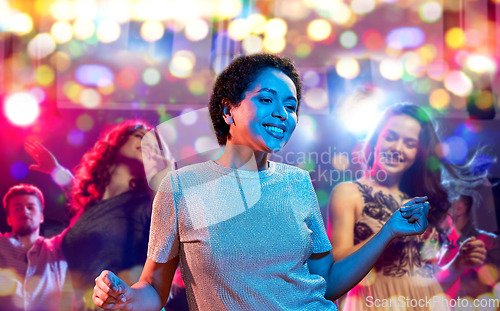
[
  {"x": 92, "y": 174},
  {"x": 232, "y": 83}
]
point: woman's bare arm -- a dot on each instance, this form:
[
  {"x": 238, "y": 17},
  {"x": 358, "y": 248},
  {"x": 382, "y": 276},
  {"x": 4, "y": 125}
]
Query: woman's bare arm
[
  {"x": 149, "y": 293},
  {"x": 342, "y": 210}
]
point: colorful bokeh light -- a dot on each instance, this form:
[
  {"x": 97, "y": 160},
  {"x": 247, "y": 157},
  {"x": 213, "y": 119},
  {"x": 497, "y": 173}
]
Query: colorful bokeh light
[
  {"x": 94, "y": 75},
  {"x": 22, "y": 109},
  {"x": 19, "y": 170},
  {"x": 347, "y": 68},
  {"x": 348, "y": 39}
]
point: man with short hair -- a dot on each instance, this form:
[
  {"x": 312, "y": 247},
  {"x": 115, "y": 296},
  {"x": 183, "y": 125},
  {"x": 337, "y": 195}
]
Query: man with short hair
[{"x": 32, "y": 268}]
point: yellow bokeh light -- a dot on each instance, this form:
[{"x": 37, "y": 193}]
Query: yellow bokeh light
[
  {"x": 341, "y": 13},
  {"x": 275, "y": 28},
  {"x": 484, "y": 100},
  {"x": 427, "y": 52},
  {"x": 391, "y": 69},
  {"x": 293, "y": 10},
  {"x": 21, "y": 24},
  {"x": 239, "y": 29},
  {"x": 182, "y": 64},
  {"x": 414, "y": 64},
  {"x": 108, "y": 31},
  {"x": 44, "y": 75},
  {"x": 252, "y": 44},
  {"x": 228, "y": 8},
  {"x": 347, "y": 68},
  {"x": 196, "y": 29},
  {"x": 63, "y": 10},
  {"x": 316, "y": 98},
  {"x": 319, "y": 29},
  {"x": 257, "y": 23},
  {"x": 90, "y": 98},
  {"x": 274, "y": 45},
  {"x": 455, "y": 38},
  {"x": 303, "y": 49},
  {"x": 60, "y": 61},
  {"x": 488, "y": 274},
  {"x": 152, "y": 30},
  {"x": 8, "y": 284},
  {"x": 362, "y": 6},
  {"x": 481, "y": 63},
  {"x": 62, "y": 32},
  {"x": 72, "y": 90},
  {"x": 393, "y": 52},
  {"x": 196, "y": 85},
  {"x": 439, "y": 99},
  {"x": 106, "y": 89},
  {"x": 83, "y": 28}
]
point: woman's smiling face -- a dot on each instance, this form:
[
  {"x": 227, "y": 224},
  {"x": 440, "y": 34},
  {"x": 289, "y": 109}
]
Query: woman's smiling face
[
  {"x": 397, "y": 145},
  {"x": 266, "y": 117}
]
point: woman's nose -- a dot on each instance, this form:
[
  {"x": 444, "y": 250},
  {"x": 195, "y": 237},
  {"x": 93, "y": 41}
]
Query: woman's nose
[
  {"x": 280, "y": 112},
  {"x": 397, "y": 146}
]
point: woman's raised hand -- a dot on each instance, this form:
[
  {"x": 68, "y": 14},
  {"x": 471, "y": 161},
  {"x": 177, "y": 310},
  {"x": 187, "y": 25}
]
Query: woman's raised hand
[
  {"x": 46, "y": 161},
  {"x": 409, "y": 219},
  {"x": 157, "y": 162},
  {"x": 110, "y": 292}
]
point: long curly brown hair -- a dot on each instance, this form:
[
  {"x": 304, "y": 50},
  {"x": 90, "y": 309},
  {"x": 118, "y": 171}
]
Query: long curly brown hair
[{"x": 93, "y": 173}]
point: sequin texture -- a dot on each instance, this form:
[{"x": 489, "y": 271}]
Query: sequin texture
[{"x": 242, "y": 237}]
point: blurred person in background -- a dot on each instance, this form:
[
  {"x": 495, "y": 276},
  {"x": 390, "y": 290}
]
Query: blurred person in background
[
  {"x": 474, "y": 281},
  {"x": 398, "y": 167},
  {"x": 32, "y": 268},
  {"x": 110, "y": 205}
]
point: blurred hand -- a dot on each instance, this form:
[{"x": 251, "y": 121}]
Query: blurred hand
[
  {"x": 46, "y": 161},
  {"x": 110, "y": 292},
  {"x": 472, "y": 254},
  {"x": 157, "y": 162},
  {"x": 409, "y": 219}
]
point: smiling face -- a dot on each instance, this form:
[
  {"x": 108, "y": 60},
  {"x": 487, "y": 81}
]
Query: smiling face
[
  {"x": 266, "y": 117},
  {"x": 397, "y": 145},
  {"x": 25, "y": 214}
]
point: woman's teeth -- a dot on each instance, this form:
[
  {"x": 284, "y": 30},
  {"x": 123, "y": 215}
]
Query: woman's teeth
[{"x": 274, "y": 129}]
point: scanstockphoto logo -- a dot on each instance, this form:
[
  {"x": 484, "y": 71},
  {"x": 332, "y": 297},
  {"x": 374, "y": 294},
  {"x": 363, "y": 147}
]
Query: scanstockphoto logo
[{"x": 432, "y": 303}]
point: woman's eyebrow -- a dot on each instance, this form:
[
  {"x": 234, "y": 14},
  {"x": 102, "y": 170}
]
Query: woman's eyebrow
[
  {"x": 265, "y": 89},
  {"x": 411, "y": 139},
  {"x": 275, "y": 93}
]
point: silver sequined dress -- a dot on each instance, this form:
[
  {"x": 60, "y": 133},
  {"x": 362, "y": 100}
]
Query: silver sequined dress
[{"x": 242, "y": 237}]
